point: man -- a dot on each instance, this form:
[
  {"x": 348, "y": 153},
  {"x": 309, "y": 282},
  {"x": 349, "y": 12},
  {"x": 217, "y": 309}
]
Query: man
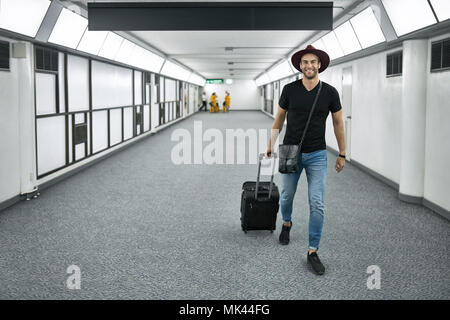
[
  {"x": 204, "y": 101},
  {"x": 296, "y": 101},
  {"x": 226, "y": 103}
]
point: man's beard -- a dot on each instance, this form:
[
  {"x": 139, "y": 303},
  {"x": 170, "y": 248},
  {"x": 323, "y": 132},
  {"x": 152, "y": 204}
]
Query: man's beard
[{"x": 314, "y": 74}]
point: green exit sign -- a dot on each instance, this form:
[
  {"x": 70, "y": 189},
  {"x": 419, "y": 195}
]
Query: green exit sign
[{"x": 214, "y": 81}]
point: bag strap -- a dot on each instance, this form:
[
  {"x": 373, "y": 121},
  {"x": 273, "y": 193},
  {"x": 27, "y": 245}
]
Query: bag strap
[{"x": 310, "y": 114}]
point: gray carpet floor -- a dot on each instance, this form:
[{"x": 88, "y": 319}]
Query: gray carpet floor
[{"x": 140, "y": 227}]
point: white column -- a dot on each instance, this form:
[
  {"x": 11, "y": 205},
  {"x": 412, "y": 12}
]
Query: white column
[
  {"x": 412, "y": 163},
  {"x": 26, "y": 118}
]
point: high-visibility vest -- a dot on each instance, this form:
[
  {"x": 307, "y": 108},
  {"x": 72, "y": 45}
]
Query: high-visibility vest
[{"x": 227, "y": 101}]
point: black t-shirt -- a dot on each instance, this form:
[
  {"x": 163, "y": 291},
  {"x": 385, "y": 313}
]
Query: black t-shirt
[{"x": 298, "y": 103}]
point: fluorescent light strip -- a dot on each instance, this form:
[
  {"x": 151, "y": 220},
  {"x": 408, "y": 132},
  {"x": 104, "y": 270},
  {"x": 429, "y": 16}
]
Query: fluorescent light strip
[{"x": 23, "y": 16}]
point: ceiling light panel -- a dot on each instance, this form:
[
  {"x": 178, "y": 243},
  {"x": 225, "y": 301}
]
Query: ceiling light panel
[
  {"x": 332, "y": 45},
  {"x": 262, "y": 80},
  {"x": 69, "y": 29},
  {"x": 409, "y": 15},
  {"x": 125, "y": 51},
  {"x": 151, "y": 61},
  {"x": 92, "y": 41},
  {"x": 347, "y": 38},
  {"x": 23, "y": 16},
  {"x": 367, "y": 28},
  {"x": 441, "y": 8},
  {"x": 280, "y": 71},
  {"x": 196, "y": 79},
  {"x": 174, "y": 71},
  {"x": 111, "y": 46}
]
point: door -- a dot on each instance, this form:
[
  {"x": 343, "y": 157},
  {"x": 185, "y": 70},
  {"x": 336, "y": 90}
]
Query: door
[{"x": 347, "y": 108}]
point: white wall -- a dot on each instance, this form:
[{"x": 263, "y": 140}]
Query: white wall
[
  {"x": 376, "y": 111},
  {"x": 17, "y": 130},
  {"x": 243, "y": 93},
  {"x": 437, "y": 137},
  {"x": 9, "y": 132}
]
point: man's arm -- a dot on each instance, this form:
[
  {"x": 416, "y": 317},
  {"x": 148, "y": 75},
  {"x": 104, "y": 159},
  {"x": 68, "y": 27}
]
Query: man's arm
[
  {"x": 276, "y": 128},
  {"x": 338, "y": 125}
]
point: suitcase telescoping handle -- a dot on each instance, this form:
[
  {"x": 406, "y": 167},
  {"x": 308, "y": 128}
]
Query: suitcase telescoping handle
[{"x": 260, "y": 157}]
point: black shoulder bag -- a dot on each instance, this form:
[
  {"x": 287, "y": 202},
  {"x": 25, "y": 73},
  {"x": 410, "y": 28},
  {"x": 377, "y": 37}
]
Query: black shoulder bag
[{"x": 288, "y": 153}]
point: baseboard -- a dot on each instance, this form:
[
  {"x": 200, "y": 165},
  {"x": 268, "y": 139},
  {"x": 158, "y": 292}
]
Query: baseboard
[
  {"x": 10, "y": 202},
  {"x": 403, "y": 197}
]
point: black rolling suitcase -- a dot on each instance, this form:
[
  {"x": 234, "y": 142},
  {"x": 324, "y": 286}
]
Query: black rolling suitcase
[{"x": 259, "y": 202}]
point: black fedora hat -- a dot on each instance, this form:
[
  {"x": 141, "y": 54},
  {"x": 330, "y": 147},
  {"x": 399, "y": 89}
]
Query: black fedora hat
[{"x": 323, "y": 56}]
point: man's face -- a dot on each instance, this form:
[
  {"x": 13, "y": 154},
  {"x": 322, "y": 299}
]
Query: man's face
[{"x": 310, "y": 65}]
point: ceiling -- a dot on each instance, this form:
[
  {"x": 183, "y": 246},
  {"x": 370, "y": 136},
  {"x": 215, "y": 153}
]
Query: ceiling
[{"x": 228, "y": 54}]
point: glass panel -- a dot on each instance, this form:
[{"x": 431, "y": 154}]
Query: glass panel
[
  {"x": 115, "y": 116},
  {"x": 78, "y": 83},
  {"x": 99, "y": 130},
  {"x": 128, "y": 123},
  {"x": 409, "y": 15},
  {"x": 347, "y": 38},
  {"x": 111, "y": 86},
  {"x": 45, "y": 93},
  {"x": 367, "y": 28},
  {"x": 51, "y": 143},
  {"x": 23, "y": 16},
  {"x": 68, "y": 29},
  {"x": 137, "y": 87},
  {"x": 146, "y": 117}
]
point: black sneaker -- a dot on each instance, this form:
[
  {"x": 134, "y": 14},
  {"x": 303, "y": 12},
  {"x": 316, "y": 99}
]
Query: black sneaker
[
  {"x": 284, "y": 235},
  {"x": 317, "y": 266}
]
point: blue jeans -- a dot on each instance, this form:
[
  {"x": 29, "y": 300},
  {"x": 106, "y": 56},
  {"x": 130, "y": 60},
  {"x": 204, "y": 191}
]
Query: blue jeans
[{"x": 315, "y": 164}]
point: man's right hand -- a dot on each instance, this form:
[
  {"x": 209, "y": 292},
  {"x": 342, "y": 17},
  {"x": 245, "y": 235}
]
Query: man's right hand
[{"x": 268, "y": 153}]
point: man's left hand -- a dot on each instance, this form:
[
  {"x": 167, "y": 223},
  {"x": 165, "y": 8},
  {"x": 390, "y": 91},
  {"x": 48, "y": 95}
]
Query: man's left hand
[{"x": 340, "y": 163}]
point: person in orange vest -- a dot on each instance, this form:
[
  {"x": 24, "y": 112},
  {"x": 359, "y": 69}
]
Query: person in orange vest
[
  {"x": 213, "y": 102},
  {"x": 226, "y": 103}
]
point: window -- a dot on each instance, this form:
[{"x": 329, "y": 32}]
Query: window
[
  {"x": 4, "y": 55},
  {"x": 394, "y": 64},
  {"x": 46, "y": 59},
  {"x": 440, "y": 54}
]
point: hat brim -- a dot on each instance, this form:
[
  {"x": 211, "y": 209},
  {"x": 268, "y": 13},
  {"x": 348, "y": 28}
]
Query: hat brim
[{"x": 323, "y": 56}]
